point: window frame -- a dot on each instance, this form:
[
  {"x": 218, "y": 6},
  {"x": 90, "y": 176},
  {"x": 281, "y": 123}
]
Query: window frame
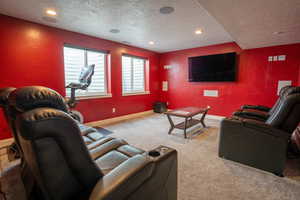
[
  {"x": 91, "y": 95},
  {"x": 145, "y": 89}
]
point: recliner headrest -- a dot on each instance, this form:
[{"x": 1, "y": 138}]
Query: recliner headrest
[
  {"x": 284, "y": 89},
  {"x": 4, "y": 94},
  {"x": 38, "y": 115},
  {"x": 291, "y": 90},
  {"x": 31, "y": 97}
]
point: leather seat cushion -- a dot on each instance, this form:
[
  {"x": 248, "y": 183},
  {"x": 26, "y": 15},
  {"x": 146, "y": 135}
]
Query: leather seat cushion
[
  {"x": 87, "y": 140},
  {"x": 95, "y": 135},
  {"x": 102, "y": 149},
  {"x": 130, "y": 150},
  {"x": 110, "y": 160},
  {"x": 97, "y": 143},
  {"x": 259, "y": 112},
  {"x": 85, "y": 129}
]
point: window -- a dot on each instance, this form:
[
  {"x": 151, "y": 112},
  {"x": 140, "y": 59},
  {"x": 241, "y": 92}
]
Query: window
[
  {"x": 133, "y": 74},
  {"x": 75, "y": 59}
]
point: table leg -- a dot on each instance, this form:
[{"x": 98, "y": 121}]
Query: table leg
[
  {"x": 202, "y": 119},
  {"x": 185, "y": 125},
  {"x": 171, "y": 124}
]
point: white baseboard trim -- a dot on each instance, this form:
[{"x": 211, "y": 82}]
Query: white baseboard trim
[
  {"x": 137, "y": 115},
  {"x": 215, "y": 117},
  {"x": 120, "y": 118}
]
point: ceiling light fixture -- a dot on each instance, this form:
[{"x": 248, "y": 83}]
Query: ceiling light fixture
[
  {"x": 51, "y": 12},
  {"x": 151, "y": 43},
  {"x": 198, "y": 32},
  {"x": 114, "y": 30},
  {"x": 166, "y": 10}
]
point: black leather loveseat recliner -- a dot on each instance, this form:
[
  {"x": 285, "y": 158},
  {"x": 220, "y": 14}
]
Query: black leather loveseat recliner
[
  {"x": 261, "y": 113},
  {"x": 63, "y": 166},
  {"x": 262, "y": 145}
]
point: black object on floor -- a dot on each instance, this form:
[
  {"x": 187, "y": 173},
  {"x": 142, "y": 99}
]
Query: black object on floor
[
  {"x": 103, "y": 130},
  {"x": 160, "y": 107}
]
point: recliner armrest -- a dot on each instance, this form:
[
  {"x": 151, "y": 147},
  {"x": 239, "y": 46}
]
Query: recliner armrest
[
  {"x": 256, "y": 107},
  {"x": 251, "y": 115},
  {"x": 124, "y": 179},
  {"x": 261, "y": 127},
  {"x": 265, "y": 128},
  {"x": 254, "y": 143}
]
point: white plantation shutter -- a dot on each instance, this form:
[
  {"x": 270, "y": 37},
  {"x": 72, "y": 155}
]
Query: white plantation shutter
[
  {"x": 98, "y": 81},
  {"x": 133, "y": 74},
  {"x": 75, "y": 59}
]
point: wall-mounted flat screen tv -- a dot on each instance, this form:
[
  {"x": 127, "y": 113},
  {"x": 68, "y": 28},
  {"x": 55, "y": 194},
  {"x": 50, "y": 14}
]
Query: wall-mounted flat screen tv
[{"x": 218, "y": 67}]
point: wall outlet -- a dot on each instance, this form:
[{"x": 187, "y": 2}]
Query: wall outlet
[
  {"x": 277, "y": 58},
  {"x": 270, "y": 58},
  {"x": 168, "y": 67},
  {"x": 281, "y": 58},
  {"x": 113, "y": 110}
]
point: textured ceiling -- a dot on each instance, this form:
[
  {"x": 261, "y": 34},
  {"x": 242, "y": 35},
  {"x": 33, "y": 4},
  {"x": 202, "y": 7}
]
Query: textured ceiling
[
  {"x": 252, "y": 23},
  {"x": 139, "y": 21}
]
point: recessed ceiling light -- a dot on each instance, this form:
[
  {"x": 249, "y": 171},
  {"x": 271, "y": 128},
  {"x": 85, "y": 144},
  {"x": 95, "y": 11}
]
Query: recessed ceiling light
[
  {"x": 51, "y": 12},
  {"x": 151, "y": 42},
  {"x": 198, "y": 32},
  {"x": 166, "y": 10},
  {"x": 114, "y": 30}
]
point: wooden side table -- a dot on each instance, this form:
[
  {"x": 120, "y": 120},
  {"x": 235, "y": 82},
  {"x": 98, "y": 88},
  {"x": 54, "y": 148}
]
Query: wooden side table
[{"x": 187, "y": 113}]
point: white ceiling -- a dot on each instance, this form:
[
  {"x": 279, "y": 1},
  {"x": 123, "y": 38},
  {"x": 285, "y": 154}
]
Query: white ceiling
[
  {"x": 252, "y": 23},
  {"x": 139, "y": 21}
]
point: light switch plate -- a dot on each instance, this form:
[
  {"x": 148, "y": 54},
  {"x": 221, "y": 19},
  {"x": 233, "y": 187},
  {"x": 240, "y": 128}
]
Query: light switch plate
[
  {"x": 165, "y": 86},
  {"x": 270, "y": 58},
  {"x": 281, "y": 57}
]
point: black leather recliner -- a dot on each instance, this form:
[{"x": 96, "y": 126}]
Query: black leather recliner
[
  {"x": 39, "y": 95},
  {"x": 89, "y": 134},
  {"x": 64, "y": 167},
  {"x": 260, "y": 144},
  {"x": 261, "y": 113}
]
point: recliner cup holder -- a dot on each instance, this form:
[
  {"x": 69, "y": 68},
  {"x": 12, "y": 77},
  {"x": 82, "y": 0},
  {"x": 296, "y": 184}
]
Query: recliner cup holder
[{"x": 154, "y": 153}]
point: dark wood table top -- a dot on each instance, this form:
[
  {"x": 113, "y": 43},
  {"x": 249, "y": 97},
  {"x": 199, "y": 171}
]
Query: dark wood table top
[{"x": 187, "y": 111}]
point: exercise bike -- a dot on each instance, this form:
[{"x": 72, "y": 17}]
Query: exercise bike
[{"x": 84, "y": 81}]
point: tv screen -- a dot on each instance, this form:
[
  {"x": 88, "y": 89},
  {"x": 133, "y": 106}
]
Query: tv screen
[{"x": 219, "y": 67}]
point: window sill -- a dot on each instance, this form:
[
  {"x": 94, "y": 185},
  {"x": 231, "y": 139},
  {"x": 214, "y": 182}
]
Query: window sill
[
  {"x": 93, "y": 97},
  {"x": 136, "y": 93}
]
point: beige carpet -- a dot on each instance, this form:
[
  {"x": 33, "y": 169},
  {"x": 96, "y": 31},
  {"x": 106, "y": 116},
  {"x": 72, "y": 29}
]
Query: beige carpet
[{"x": 202, "y": 174}]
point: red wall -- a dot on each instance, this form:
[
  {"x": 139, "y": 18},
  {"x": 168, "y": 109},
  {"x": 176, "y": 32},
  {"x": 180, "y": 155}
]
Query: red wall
[
  {"x": 32, "y": 54},
  {"x": 256, "y": 83}
]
